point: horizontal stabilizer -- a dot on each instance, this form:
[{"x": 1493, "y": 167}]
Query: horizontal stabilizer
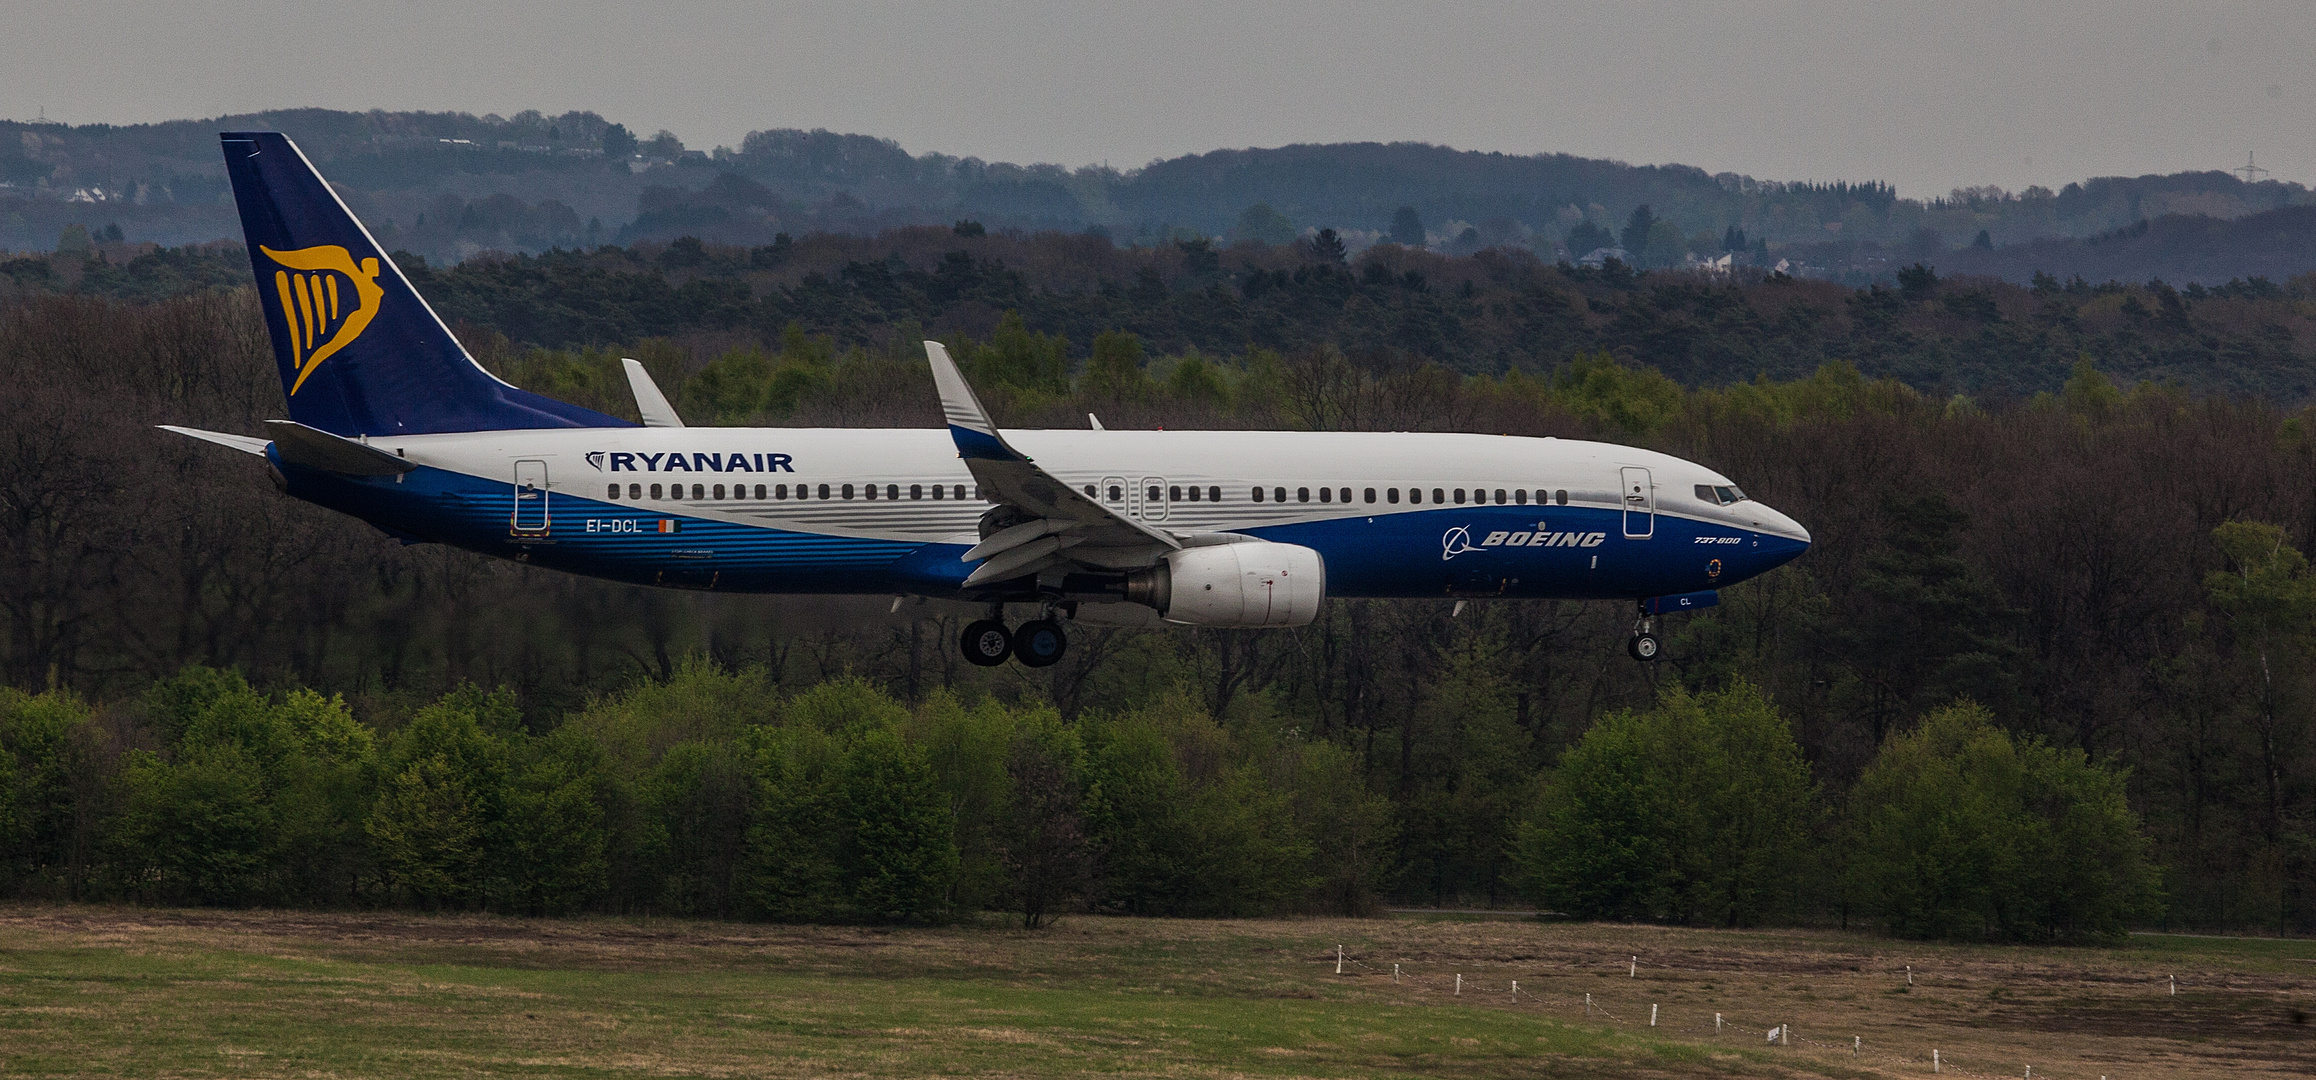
[
  {"x": 318, "y": 449},
  {"x": 245, "y": 443},
  {"x": 649, "y": 401}
]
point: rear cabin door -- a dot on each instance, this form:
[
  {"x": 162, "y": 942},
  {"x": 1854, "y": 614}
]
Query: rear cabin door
[
  {"x": 530, "y": 497},
  {"x": 1640, "y": 504}
]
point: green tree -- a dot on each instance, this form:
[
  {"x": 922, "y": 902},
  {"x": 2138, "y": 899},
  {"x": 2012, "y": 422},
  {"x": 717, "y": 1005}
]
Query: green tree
[
  {"x": 1637, "y": 231},
  {"x": 1695, "y": 811},
  {"x": 1115, "y": 372},
  {"x": 444, "y": 801},
  {"x": 898, "y": 858},
  {"x": 197, "y": 829},
  {"x": 1264, "y": 225},
  {"x": 1960, "y": 831},
  {"x": 1407, "y": 228}
]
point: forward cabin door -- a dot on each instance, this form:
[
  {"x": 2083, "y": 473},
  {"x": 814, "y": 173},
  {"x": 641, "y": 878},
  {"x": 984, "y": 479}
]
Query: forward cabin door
[
  {"x": 1640, "y": 504},
  {"x": 530, "y": 497}
]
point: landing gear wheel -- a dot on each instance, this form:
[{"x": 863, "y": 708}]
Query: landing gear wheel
[
  {"x": 986, "y": 643},
  {"x": 1039, "y": 643},
  {"x": 1643, "y": 647}
]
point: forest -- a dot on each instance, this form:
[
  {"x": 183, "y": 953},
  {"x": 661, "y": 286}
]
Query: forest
[{"x": 2047, "y": 674}]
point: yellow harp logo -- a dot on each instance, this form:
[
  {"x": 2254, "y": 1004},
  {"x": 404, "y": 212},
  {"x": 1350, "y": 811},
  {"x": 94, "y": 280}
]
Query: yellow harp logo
[{"x": 327, "y": 301}]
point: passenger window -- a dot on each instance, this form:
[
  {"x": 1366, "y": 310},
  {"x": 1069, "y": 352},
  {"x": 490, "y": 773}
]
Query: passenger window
[
  {"x": 1459, "y": 496},
  {"x": 1560, "y": 496},
  {"x": 1520, "y": 496},
  {"x": 635, "y": 491},
  {"x": 1499, "y": 496},
  {"x": 1326, "y": 495},
  {"x": 1302, "y": 494},
  {"x": 1370, "y": 494},
  {"x": 614, "y": 491},
  {"x": 916, "y": 491},
  {"x": 759, "y": 492},
  {"x": 780, "y": 492},
  {"x": 655, "y": 491},
  {"x": 1117, "y": 494},
  {"x": 719, "y": 491},
  {"x": 1214, "y": 493},
  {"x": 892, "y": 491},
  {"x": 698, "y": 492},
  {"x": 1439, "y": 495},
  {"x": 847, "y": 491},
  {"x": 1258, "y": 494},
  {"x": 936, "y": 493},
  {"x": 1194, "y": 493},
  {"x": 871, "y": 493},
  {"x": 824, "y": 491},
  {"x": 1173, "y": 493},
  {"x": 1391, "y": 495},
  {"x": 1090, "y": 492},
  {"x": 1415, "y": 495},
  {"x": 1279, "y": 494},
  {"x": 1152, "y": 494}
]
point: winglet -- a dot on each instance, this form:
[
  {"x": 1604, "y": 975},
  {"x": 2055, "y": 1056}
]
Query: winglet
[
  {"x": 648, "y": 400},
  {"x": 969, "y": 423}
]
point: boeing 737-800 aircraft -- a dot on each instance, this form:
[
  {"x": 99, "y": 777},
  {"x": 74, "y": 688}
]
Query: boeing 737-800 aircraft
[{"x": 391, "y": 421}]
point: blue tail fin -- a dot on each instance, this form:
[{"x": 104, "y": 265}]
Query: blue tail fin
[{"x": 360, "y": 353}]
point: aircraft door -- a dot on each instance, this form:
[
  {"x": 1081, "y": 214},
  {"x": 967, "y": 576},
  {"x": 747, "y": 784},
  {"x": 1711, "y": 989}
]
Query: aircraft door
[
  {"x": 1152, "y": 493},
  {"x": 1640, "y": 504},
  {"x": 1116, "y": 493},
  {"x": 530, "y": 515}
]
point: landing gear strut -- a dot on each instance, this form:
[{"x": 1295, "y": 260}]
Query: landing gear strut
[
  {"x": 1037, "y": 643},
  {"x": 1644, "y": 646}
]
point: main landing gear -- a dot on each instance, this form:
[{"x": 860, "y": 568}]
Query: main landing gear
[
  {"x": 1036, "y": 643},
  {"x": 1644, "y": 646}
]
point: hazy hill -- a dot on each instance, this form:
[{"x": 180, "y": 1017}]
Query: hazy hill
[{"x": 450, "y": 185}]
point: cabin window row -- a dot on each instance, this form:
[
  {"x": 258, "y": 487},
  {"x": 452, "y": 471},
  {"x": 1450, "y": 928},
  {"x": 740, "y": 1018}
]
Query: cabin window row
[
  {"x": 709, "y": 492},
  {"x": 1415, "y": 496}
]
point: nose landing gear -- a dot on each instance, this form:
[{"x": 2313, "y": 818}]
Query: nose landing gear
[{"x": 1644, "y": 646}]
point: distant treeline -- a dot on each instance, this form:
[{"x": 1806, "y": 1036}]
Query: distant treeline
[
  {"x": 2103, "y": 571},
  {"x": 1489, "y": 313},
  {"x": 450, "y": 185}
]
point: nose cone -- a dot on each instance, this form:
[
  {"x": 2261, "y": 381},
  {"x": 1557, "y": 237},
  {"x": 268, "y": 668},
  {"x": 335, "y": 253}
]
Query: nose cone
[{"x": 1782, "y": 538}]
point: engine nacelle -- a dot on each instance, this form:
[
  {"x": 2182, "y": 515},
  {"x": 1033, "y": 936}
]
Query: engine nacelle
[{"x": 1257, "y": 583}]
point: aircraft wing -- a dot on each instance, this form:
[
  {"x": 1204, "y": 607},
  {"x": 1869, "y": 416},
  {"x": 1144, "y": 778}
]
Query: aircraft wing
[{"x": 1060, "y": 524}]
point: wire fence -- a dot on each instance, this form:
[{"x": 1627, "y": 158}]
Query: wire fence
[{"x": 1593, "y": 1007}]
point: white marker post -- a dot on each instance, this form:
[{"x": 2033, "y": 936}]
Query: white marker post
[
  {"x": 1716, "y": 1023},
  {"x": 1395, "y": 974},
  {"x": 1934, "y": 1061},
  {"x": 1588, "y": 1005},
  {"x": 1515, "y": 991},
  {"x": 1909, "y": 974},
  {"x": 1856, "y": 1042},
  {"x": 1652, "y": 1014},
  {"x": 1635, "y": 972},
  {"x": 2175, "y": 986},
  {"x": 1338, "y": 959},
  {"x": 1459, "y": 984}
]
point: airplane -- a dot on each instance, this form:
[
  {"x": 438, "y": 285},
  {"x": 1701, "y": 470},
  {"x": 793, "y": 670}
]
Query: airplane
[{"x": 391, "y": 421}]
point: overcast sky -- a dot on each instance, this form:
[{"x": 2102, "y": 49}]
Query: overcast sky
[{"x": 1927, "y": 96}]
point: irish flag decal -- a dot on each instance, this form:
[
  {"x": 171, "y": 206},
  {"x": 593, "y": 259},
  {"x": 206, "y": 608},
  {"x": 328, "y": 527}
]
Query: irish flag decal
[{"x": 667, "y": 525}]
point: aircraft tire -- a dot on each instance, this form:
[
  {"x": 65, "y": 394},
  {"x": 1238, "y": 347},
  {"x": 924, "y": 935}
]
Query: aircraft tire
[
  {"x": 985, "y": 643},
  {"x": 1039, "y": 643},
  {"x": 1644, "y": 648}
]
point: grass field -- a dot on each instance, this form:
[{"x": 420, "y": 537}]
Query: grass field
[{"x": 88, "y": 991}]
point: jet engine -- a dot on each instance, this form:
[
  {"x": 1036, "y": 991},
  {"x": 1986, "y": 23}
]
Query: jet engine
[{"x": 1257, "y": 583}]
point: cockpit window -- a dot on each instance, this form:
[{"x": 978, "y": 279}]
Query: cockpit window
[{"x": 1719, "y": 494}]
